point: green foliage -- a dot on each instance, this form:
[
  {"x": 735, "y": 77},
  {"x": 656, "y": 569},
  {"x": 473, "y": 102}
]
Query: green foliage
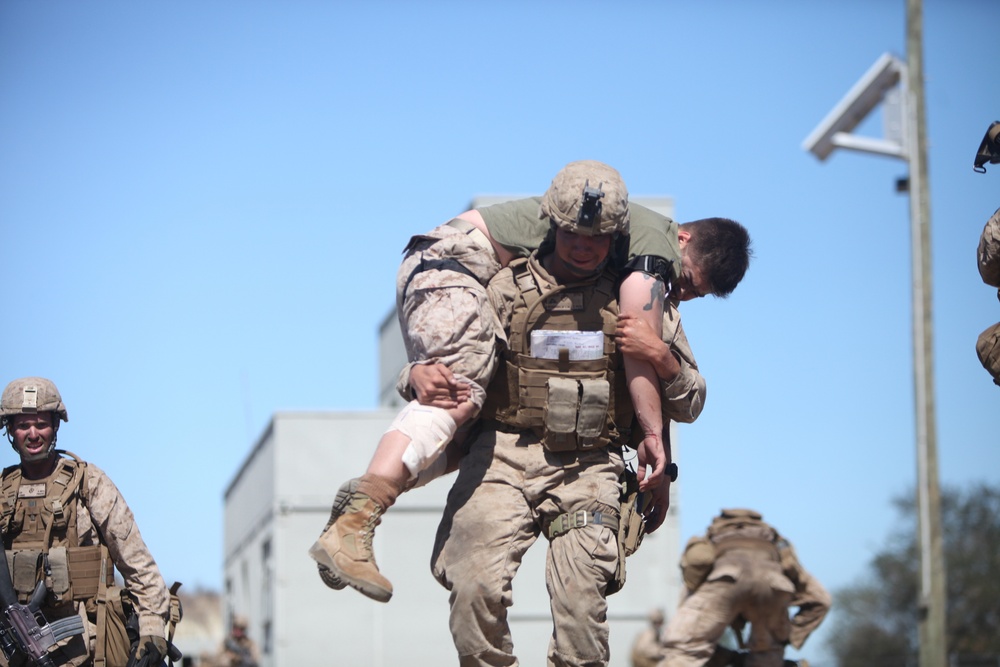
[{"x": 875, "y": 620}]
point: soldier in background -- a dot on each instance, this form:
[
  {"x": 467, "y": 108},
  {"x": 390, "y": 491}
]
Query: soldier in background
[
  {"x": 647, "y": 649},
  {"x": 65, "y": 523},
  {"x": 742, "y": 569},
  {"x": 988, "y": 345},
  {"x": 238, "y": 650}
]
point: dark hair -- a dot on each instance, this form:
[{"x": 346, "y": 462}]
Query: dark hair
[{"x": 721, "y": 247}]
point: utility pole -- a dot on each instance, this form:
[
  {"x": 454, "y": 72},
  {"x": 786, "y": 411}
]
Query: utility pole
[
  {"x": 906, "y": 138},
  {"x": 931, "y": 610}
]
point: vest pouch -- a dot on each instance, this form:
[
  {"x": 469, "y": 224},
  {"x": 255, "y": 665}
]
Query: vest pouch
[
  {"x": 560, "y": 414},
  {"x": 58, "y": 580},
  {"x": 595, "y": 396},
  {"x": 114, "y": 609},
  {"x": 87, "y": 567},
  {"x": 697, "y": 562},
  {"x": 533, "y": 377},
  {"x": 25, "y": 572}
]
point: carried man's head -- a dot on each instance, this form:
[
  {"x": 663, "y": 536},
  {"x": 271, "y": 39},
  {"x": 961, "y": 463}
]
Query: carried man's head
[
  {"x": 715, "y": 255},
  {"x": 30, "y": 409},
  {"x": 587, "y": 203}
]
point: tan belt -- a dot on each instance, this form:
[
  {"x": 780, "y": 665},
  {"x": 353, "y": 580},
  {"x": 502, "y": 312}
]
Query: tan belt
[{"x": 472, "y": 231}]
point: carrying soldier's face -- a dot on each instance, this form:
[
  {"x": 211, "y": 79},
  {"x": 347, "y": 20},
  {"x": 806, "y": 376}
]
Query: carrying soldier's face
[
  {"x": 579, "y": 254},
  {"x": 32, "y": 435}
]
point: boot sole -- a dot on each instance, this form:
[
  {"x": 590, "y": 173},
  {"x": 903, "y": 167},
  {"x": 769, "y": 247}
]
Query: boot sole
[
  {"x": 329, "y": 578},
  {"x": 320, "y": 555}
]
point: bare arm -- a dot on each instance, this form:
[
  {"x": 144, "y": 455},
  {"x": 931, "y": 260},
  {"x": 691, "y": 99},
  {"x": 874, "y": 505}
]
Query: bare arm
[
  {"x": 638, "y": 340},
  {"x": 657, "y": 510},
  {"x": 682, "y": 385},
  {"x": 641, "y": 296}
]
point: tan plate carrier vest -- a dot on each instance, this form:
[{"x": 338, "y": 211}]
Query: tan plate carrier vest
[
  {"x": 569, "y": 404},
  {"x": 40, "y": 532}
]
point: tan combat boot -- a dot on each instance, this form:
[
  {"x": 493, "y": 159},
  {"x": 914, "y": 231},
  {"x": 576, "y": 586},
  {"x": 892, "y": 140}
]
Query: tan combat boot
[
  {"x": 344, "y": 494},
  {"x": 345, "y": 549}
]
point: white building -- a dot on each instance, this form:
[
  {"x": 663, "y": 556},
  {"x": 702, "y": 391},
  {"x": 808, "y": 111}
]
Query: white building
[{"x": 280, "y": 499}]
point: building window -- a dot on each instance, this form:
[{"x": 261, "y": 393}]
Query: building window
[{"x": 267, "y": 595}]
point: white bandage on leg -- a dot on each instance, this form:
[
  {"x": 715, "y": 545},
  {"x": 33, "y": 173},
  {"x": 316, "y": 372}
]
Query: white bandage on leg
[
  {"x": 429, "y": 430},
  {"x": 437, "y": 467}
]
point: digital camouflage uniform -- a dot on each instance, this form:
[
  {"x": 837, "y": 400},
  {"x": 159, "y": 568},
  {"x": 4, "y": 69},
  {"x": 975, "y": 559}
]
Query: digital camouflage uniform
[
  {"x": 77, "y": 505},
  {"x": 682, "y": 398},
  {"x": 548, "y": 459},
  {"x": 237, "y": 650},
  {"x": 988, "y": 345},
  {"x": 647, "y": 649},
  {"x": 102, "y": 517},
  {"x": 442, "y": 307},
  {"x": 509, "y": 489},
  {"x": 463, "y": 339},
  {"x": 755, "y": 577}
]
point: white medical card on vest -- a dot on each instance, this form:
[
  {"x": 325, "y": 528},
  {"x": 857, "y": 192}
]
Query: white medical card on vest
[{"x": 582, "y": 345}]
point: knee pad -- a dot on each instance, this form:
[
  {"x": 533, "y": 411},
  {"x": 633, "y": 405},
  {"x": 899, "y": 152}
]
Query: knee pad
[{"x": 429, "y": 430}]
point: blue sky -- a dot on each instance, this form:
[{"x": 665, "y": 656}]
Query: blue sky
[{"x": 203, "y": 207}]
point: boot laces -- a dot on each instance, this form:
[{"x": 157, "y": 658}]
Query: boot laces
[{"x": 368, "y": 531}]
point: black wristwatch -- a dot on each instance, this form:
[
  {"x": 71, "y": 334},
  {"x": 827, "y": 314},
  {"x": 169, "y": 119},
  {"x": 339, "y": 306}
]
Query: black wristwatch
[{"x": 671, "y": 471}]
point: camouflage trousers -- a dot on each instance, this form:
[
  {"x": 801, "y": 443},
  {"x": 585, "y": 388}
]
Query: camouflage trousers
[
  {"x": 444, "y": 313},
  {"x": 507, "y": 492},
  {"x": 749, "y": 586}
]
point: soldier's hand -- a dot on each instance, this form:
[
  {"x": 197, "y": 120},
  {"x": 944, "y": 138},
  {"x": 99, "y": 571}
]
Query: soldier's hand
[
  {"x": 658, "y": 506},
  {"x": 635, "y": 338},
  {"x": 149, "y": 651},
  {"x": 435, "y": 385},
  {"x": 650, "y": 453}
]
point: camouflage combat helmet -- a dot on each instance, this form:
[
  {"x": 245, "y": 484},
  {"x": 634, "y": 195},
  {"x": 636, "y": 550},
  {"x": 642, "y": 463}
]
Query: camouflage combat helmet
[
  {"x": 31, "y": 395},
  {"x": 28, "y": 396},
  {"x": 587, "y": 197}
]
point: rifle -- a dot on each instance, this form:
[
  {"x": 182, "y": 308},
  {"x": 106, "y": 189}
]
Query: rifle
[{"x": 23, "y": 628}]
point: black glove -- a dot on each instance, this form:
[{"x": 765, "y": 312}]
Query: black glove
[{"x": 148, "y": 652}]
